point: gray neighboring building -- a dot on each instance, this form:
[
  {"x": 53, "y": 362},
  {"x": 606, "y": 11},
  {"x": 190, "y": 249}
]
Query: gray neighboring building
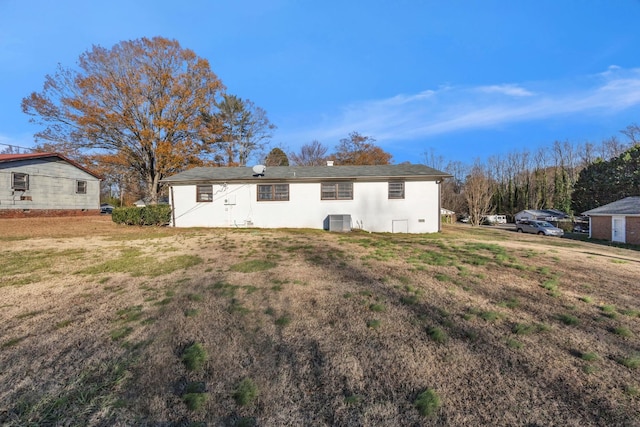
[
  {"x": 618, "y": 221},
  {"x": 46, "y": 184}
]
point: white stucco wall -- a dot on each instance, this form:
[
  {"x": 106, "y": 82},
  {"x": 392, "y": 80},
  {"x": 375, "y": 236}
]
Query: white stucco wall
[
  {"x": 52, "y": 185},
  {"x": 236, "y": 205}
]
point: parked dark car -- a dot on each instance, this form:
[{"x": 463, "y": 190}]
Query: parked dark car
[
  {"x": 581, "y": 228},
  {"x": 106, "y": 210},
  {"x": 539, "y": 227}
]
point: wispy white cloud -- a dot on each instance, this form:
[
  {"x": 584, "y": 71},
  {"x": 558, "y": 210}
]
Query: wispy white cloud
[
  {"x": 506, "y": 89},
  {"x": 458, "y": 108}
]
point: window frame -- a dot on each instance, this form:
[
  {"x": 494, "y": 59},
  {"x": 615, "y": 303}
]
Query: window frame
[
  {"x": 200, "y": 192},
  {"x": 81, "y": 186},
  {"x": 275, "y": 194},
  {"x": 394, "y": 194},
  {"x": 24, "y": 177},
  {"x": 338, "y": 193}
]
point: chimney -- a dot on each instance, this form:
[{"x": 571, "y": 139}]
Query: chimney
[{"x": 329, "y": 162}]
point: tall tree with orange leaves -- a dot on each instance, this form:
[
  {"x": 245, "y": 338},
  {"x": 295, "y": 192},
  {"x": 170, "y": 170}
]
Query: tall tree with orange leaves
[
  {"x": 148, "y": 103},
  {"x": 360, "y": 150}
]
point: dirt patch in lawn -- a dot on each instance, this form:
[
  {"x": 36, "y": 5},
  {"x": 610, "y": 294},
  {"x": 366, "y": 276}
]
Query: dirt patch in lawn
[{"x": 304, "y": 327}]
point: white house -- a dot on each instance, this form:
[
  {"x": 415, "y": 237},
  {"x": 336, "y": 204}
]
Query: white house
[
  {"x": 385, "y": 198},
  {"x": 46, "y": 184}
]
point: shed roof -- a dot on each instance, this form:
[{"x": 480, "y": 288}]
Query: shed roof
[
  {"x": 627, "y": 206},
  {"x": 307, "y": 173},
  {"x": 6, "y": 158},
  {"x": 544, "y": 212}
]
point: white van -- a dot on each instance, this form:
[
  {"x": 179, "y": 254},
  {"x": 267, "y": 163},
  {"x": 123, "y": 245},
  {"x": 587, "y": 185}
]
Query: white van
[{"x": 495, "y": 219}]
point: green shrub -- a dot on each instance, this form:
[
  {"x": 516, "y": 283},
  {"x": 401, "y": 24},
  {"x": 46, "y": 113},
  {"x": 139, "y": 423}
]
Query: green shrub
[
  {"x": 148, "y": 215},
  {"x": 246, "y": 392},
  {"x": 194, "y": 357},
  {"x": 427, "y": 403}
]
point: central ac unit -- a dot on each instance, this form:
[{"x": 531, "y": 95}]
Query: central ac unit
[{"x": 339, "y": 222}]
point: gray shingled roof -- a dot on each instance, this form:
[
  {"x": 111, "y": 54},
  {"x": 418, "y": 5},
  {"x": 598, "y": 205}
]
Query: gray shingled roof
[
  {"x": 627, "y": 206},
  {"x": 306, "y": 173},
  {"x": 545, "y": 212}
]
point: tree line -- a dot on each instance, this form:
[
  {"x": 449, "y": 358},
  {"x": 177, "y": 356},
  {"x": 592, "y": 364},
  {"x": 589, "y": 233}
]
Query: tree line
[{"x": 569, "y": 177}]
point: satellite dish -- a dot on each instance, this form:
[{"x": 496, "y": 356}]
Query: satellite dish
[{"x": 259, "y": 170}]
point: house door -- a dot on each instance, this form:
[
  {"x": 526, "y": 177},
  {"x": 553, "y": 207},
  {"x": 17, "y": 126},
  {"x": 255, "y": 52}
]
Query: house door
[
  {"x": 617, "y": 229},
  {"x": 400, "y": 226}
]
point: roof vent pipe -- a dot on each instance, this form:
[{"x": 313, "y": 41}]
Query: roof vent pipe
[{"x": 329, "y": 162}]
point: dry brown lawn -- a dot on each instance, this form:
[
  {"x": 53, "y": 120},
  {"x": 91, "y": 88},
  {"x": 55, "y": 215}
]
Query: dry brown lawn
[{"x": 333, "y": 329}]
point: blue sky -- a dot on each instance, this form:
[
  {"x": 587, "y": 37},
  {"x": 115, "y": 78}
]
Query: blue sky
[{"x": 467, "y": 79}]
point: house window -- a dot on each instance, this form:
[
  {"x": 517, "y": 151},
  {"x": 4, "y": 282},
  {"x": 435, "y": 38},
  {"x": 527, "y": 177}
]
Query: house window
[
  {"x": 81, "y": 187},
  {"x": 396, "y": 189},
  {"x": 273, "y": 192},
  {"x": 204, "y": 193},
  {"x": 20, "y": 181},
  {"x": 336, "y": 191}
]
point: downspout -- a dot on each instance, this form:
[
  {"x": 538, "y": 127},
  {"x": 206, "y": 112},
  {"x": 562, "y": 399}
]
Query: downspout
[
  {"x": 439, "y": 207},
  {"x": 173, "y": 207}
]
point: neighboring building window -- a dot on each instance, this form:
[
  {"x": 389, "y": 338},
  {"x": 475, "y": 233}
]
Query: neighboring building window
[
  {"x": 204, "y": 193},
  {"x": 396, "y": 189},
  {"x": 273, "y": 192},
  {"x": 336, "y": 191},
  {"x": 19, "y": 181},
  {"x": 81, "y": 187}
]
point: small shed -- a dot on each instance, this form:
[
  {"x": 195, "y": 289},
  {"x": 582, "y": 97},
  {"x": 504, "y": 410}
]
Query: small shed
[
  {"x": 618, "y": 221},
  {"x": 447, "y": 215}
]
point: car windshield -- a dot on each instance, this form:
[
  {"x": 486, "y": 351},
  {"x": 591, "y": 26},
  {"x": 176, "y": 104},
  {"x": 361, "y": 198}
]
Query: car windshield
[{"x": 544, "y": 224}]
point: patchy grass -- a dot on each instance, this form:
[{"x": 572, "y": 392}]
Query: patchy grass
[
  {"x": 373, "y": 323},
  {"x": 631, "y": 362},
  {"x": 568, "y": 319},
  {"x": 195, "y": 401},
  {"x": 194, "y": 357},
  {"x": 374, "y": 330},
  {"x": 377, "y": 307},
  {"x": 253, "y": 266},
  {"x": 120, "y": 333},
  {"x": 427, "y": 403},
  {"x": 437, "y": 335},
  {"x": 622, "y": 331},
  {"x": 246, "y": 392},
  {"x": 133, "y": 262},
  {"x": 589, "y": 356}
]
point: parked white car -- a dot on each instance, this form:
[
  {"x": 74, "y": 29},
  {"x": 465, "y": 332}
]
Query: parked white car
[{"x": 539, "y": 227}]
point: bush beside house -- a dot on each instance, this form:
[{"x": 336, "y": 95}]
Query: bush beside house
[{"x": 148, "y": 215}]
